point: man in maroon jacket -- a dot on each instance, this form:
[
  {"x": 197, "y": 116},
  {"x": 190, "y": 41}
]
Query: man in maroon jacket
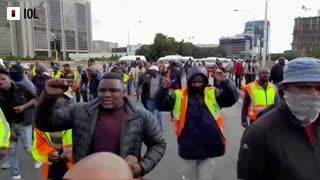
[{"x": 238, "y": 72}]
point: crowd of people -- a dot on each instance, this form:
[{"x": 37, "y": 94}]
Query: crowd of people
[{"x": 65, "y": 118}]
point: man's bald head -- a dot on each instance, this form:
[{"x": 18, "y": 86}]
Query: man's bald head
[{"x": 101, "y": 165}]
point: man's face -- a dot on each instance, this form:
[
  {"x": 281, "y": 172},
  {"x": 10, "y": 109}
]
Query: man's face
[
  {"x": 90, "y": 63},
  {"x": 79, "y": 68},
  {"x": 140, "y": 65},
  {"x": 4, "y": 82},
  {"x": 196, "y": 85},
  {"x": 110, "y": 93},
  {"x": 264, "y": 76},
  {"x": 303, "y": 88},
  {"x": 90, "y": 73},
  {"x": 66, "y": 68},
  {"x": 31, "y": 66}
]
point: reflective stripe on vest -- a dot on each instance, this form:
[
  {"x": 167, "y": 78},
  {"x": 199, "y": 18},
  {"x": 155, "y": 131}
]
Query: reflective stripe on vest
[
  {"x": 41, "y": 156},
  {"x": 181, "y": 103},
  {"x": 57, "y": 75},
  {"x": 4, "y": 131},
  {"x": 260, "y": 98}
]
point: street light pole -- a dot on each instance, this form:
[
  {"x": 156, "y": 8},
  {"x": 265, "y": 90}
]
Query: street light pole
[
  {"x": 128, "y": 46},
  {"x": 253, "y": 38},
  {"x": 264, "y": 57}
]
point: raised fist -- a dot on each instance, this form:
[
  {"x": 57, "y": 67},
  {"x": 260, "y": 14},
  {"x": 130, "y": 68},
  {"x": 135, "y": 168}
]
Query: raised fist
[{"x": 55, "y": 87}]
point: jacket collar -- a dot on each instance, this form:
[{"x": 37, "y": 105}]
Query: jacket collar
[{"x": 92, "y": 107}]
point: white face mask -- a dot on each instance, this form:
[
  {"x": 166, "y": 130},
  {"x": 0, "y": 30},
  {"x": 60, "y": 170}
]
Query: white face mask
[{"x": 305, "y": 108}]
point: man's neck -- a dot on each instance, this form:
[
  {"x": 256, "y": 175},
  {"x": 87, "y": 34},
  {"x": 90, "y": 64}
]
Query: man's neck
[{"x": 264, "y": 85}]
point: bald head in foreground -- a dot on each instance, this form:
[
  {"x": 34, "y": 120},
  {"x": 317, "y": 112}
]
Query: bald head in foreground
[{"x": 101, "y": 165}]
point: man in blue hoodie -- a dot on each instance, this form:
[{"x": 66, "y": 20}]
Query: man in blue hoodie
[{"x": 198, "y": 120}]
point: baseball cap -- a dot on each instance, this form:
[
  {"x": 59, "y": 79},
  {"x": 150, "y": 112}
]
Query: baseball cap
[
  {"x": 154, "y": 68},
  {"x": 302, "y": 69}
]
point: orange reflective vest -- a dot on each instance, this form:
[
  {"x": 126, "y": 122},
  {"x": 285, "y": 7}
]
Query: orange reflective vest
[
  {"x": 180, "y": 108},
  {"x": 260, "y": 98},
  {"x": 42, "y": 146}
]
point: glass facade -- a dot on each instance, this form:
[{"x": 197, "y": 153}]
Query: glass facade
[{"x": 5, "y": 45}]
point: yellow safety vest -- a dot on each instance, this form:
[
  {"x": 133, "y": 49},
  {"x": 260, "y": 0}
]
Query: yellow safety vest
[
  {"x": 57, "y": 75},
  {"x": 33, "y": 72},
  {"x": 76, "y": 75},
  {"x": 4, "y": 131},
  {"x": 40, "y": 153},
  {"x": 260, "y": 98},
  {"x": 125, "y": 78},
  {"x": 181, "y": 103}
]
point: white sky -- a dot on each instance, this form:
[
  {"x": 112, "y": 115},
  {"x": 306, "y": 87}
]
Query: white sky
[{"x": 206, "y": 20}]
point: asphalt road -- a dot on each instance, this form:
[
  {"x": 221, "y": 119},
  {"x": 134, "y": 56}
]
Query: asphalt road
[{"x": 170, "y": 166}]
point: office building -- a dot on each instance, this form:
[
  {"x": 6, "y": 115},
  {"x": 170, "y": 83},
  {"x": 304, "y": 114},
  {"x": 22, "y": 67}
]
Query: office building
[
  {"x": 103, "y": 46},
  {"x": 306, "y": 35},
  {"x": 68, "y": 21},
  {"x": 257, "y": 27},
  {"x": 236, "y": 46}
]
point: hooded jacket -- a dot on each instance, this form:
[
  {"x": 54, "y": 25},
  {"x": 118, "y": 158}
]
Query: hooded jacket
[{"x": 200, "y": 138}]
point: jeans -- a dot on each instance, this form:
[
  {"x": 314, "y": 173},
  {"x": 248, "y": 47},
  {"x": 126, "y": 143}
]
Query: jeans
[
  {"x": 24, "y": 133},
  {"x": 152, "y": 108},
  {"x": 198, "y": 169},
  {"x": 129, "y": 87}
]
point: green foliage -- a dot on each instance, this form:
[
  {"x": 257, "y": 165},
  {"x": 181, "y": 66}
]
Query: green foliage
[{"x": 164, "y": 45}]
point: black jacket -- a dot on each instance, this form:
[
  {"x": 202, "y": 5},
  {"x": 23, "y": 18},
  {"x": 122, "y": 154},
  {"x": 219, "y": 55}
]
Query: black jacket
[
  {"x": 276, "y": 147},
  {"x": 200, "y": 137},
  {"x": 276, "y": 74},
  {"x": 140, "y": 126},
  {"x": 16, "y": 96}
]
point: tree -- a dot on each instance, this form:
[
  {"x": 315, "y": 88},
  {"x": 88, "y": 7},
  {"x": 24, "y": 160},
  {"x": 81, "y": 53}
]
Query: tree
[{"x": 164, "y": 45}]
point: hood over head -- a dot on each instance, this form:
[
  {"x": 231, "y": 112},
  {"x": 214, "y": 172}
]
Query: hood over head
[{"x": 196, "y": 70}]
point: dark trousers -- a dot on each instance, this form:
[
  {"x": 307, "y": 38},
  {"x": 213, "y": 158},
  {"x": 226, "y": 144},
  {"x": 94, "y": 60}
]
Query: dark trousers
[
  {"x": 84, "y": 96},
  {"x": 238, "y": 81},
  {"x": 248, "y": 78},
  {"x": 57, "y": 170},
  {"x": 78, "y": 95},
  {"x": 253, "y": 77}
]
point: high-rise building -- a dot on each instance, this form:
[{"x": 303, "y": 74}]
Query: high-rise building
[
  {"x": 258, "y": 28},
  {"x": 306, "y": 35},
  {"x": 236, "y": 46},
  {"x": 68, "y": 21}
]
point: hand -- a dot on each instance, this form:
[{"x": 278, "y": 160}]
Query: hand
[
  {"x": 134, "y": 165},
  {"x": 218, "y": 74},
  {"x": 13, "y": 135},
  {"x": 166, "y": 83},
  {"x": 54, "y": 157},
  {"x": 19, "y": 109},
  {"x": 55, "y": 87},
  {"x": 245, "y": 124},
  {"x": 67, "y": 155}
]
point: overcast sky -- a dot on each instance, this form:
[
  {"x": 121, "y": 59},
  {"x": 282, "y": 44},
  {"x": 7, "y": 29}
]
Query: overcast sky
[{"x": 206, "y": 20}]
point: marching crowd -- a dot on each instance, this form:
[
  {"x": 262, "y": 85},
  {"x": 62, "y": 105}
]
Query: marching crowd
[{"x": 69, "y": 120}]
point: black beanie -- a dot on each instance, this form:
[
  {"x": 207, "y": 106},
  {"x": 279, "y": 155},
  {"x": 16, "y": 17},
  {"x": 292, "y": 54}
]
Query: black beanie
[{"x": 16, "y": 73}]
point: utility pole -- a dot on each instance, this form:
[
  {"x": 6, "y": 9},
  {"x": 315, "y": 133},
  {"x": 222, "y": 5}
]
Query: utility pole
[{"x": 265, "y": 38}]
